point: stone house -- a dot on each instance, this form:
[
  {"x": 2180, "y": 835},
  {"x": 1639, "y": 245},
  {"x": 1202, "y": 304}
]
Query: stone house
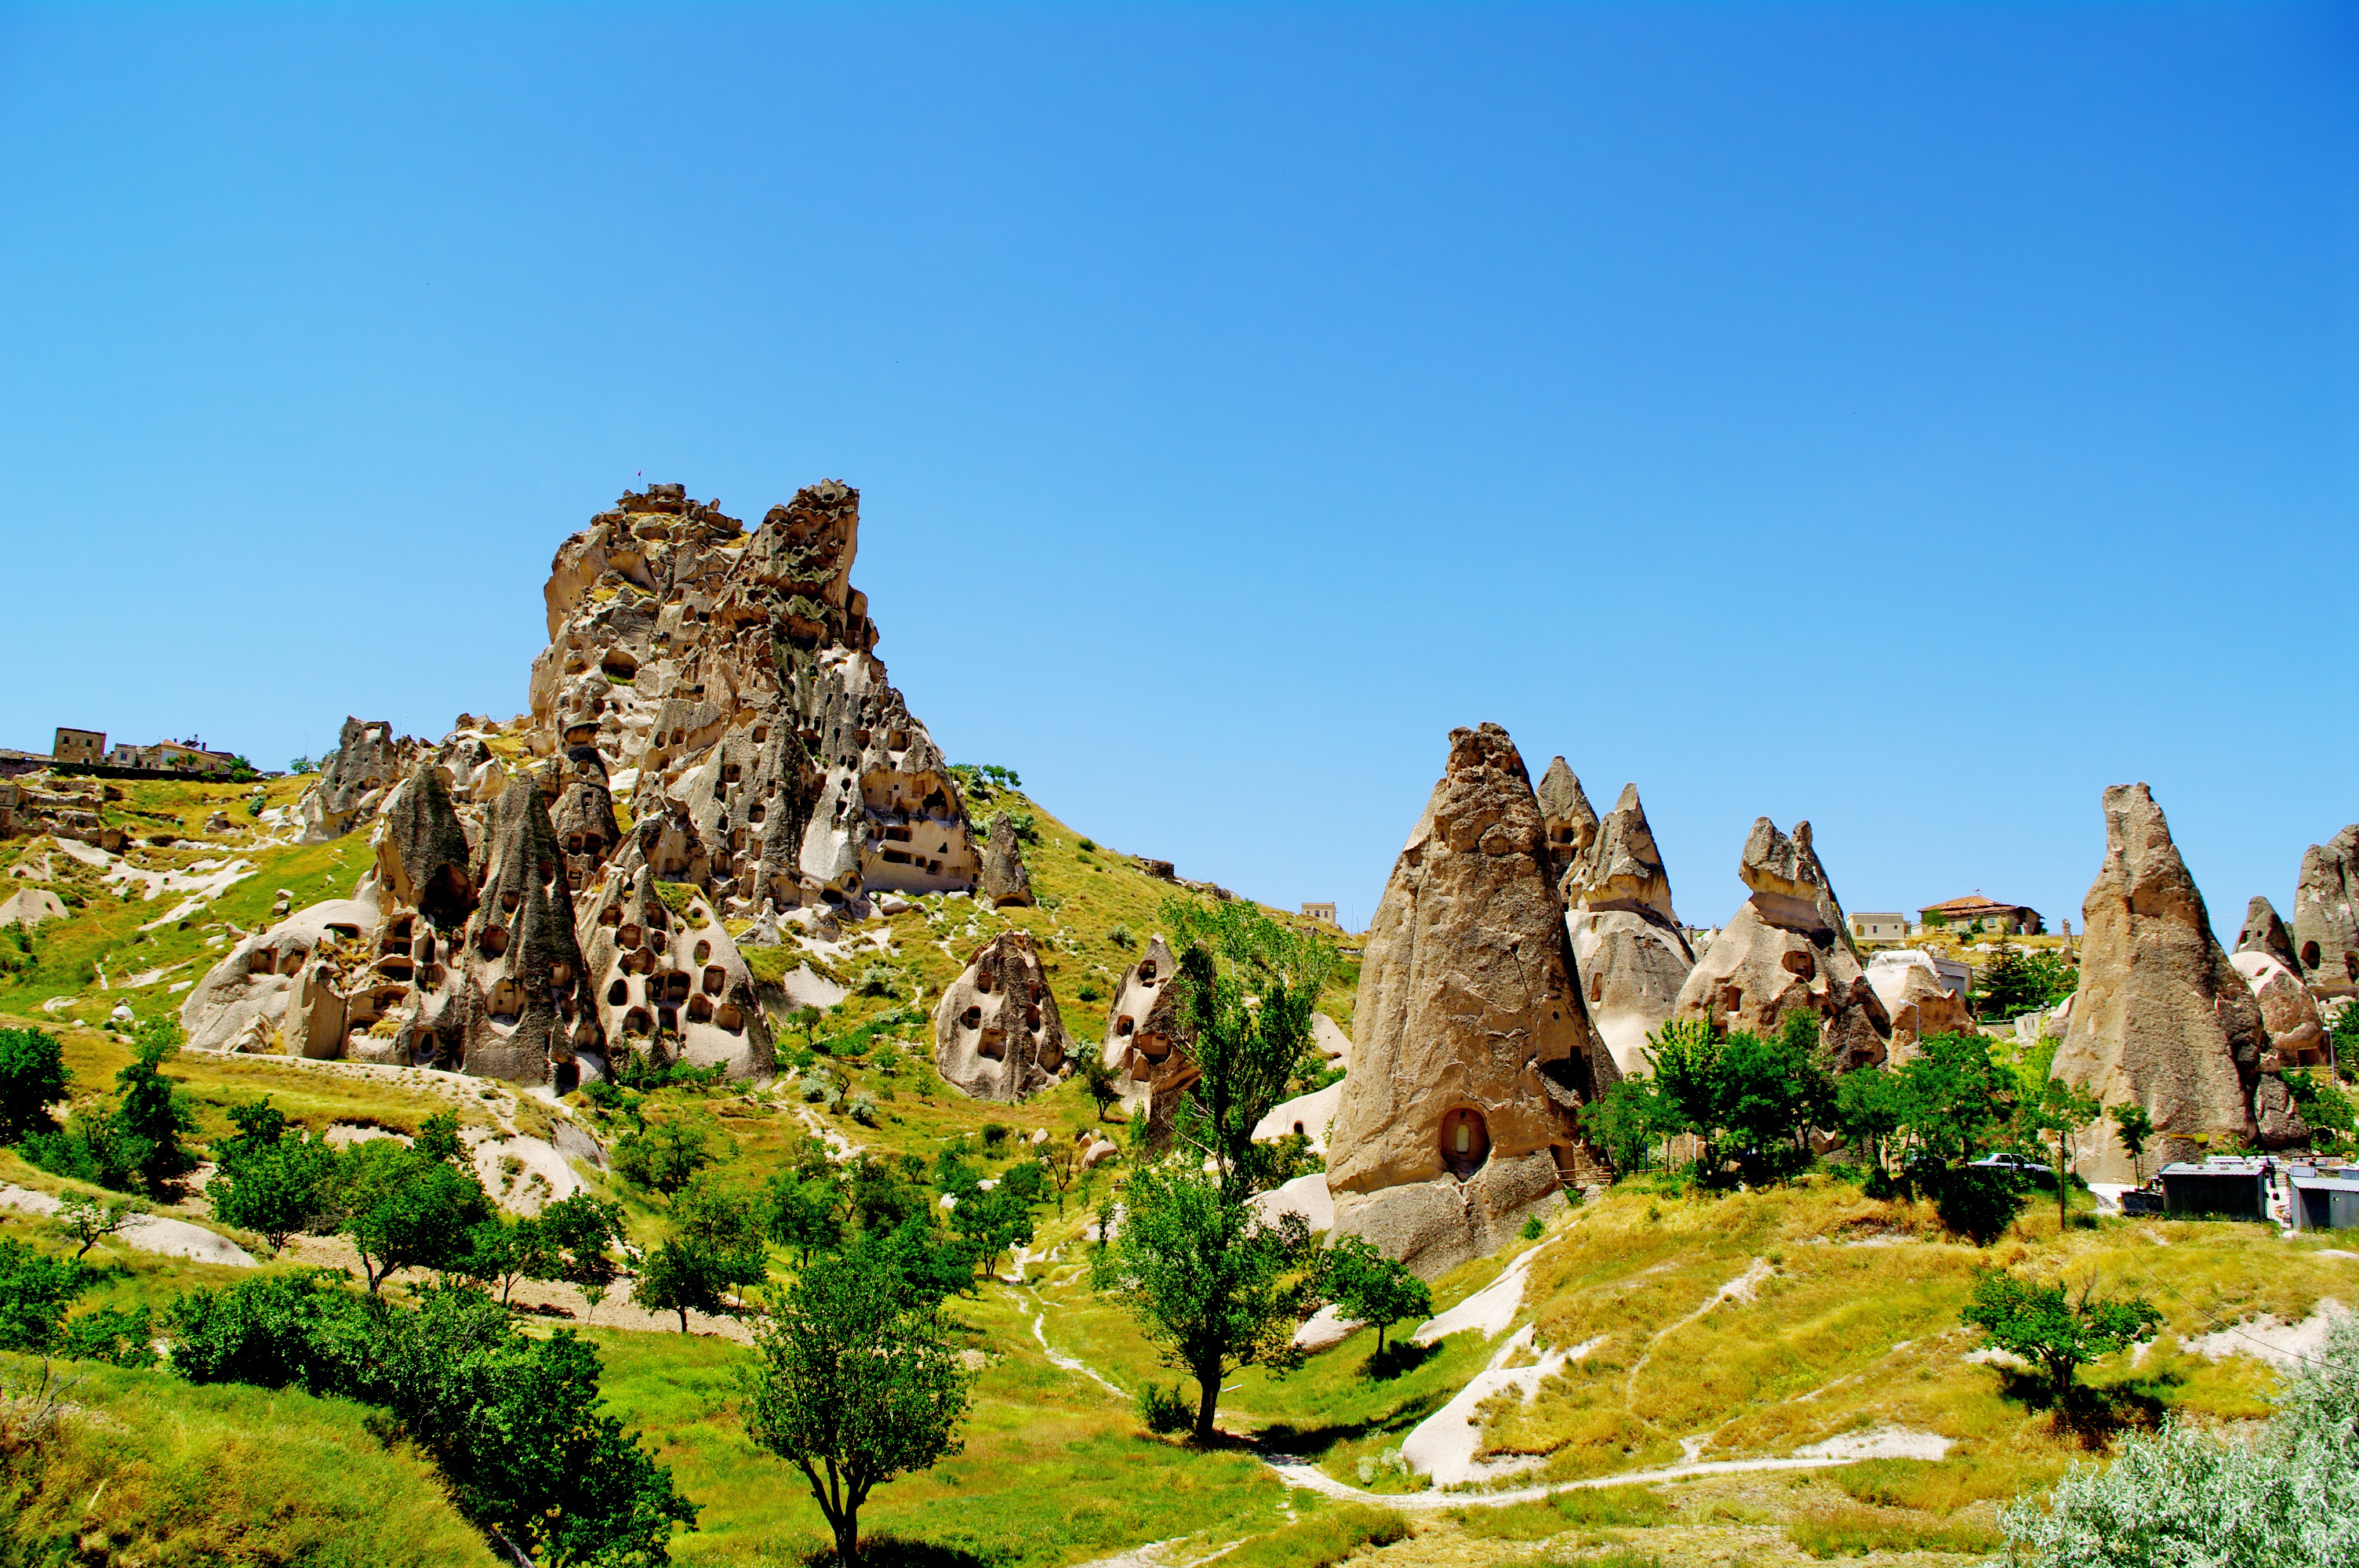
[
  {"x": 2002, "y": 919},
  {"x": 1879, "y": 927},
  {"x": 79, "y": 746}
]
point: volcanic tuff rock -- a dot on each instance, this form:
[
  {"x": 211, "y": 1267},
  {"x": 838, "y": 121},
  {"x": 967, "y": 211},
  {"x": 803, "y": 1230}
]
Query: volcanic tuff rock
[
  {"x": 2265, "y": 933},
  {"x": 2326, "y": 914},
  {"x": 1633, "y": 957},
  {"x": 1473, "y": 1050},
  {"x": 2297, "y": 1035},
  {"x": 367, "y": 760},
  {"x": 1916, "y": 1001},
  {"x": 1143, "y": 1020},
  {"x": 1572, "y": 821},
  {"x": 725, "y": 688},
  {"x": 1004, "y": 879},
  {"x": 997, "y": 1034},
  {"x": 2162, "y": 1019},
  {"x": 1786, "y": 950}
]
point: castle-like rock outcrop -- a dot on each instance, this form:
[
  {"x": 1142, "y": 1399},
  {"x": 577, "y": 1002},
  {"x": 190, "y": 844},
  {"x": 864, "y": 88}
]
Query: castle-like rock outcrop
[
  {"x": 997, "y": 1034},
  {"x": 2162, "y": 1019},
  {"x": 1473, "y": 1050},
  {"x": 368, "y": 761},
  {"x": 2264, "y": 934},
  {"x": 1786, "y": 950},
  {"x": 1570, "y": 820},
  {"x": 1634, "y": 958}
]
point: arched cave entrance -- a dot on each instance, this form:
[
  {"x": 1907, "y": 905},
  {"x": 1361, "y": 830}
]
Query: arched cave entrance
[{"x": 1465, "y": 1141}]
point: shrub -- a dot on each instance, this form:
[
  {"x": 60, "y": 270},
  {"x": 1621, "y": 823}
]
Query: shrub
[
  {"x": 110, "y": 1334},
  {"x": 1534, "y": 1228},
  {"x": 862, "y": 1109},
  {"x": 994, "y": 1134},
  {"x": 1165, "y": 1410},
  {"x": 35, "y": 1289}
]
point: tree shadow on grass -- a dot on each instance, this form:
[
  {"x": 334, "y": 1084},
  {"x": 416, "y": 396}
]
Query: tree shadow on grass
[
  {"x": 891, "y": 1551},
  {"x": 2092, "y": 1415},
  {"x": 1397, "y": 1359}
]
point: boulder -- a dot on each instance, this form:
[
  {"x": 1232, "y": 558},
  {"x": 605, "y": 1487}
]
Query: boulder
[
  {"x": 997, "y": 1034},
  {"x": 1475, "y": 1052},
  {"x": 1917, "y": 997},
  {"x": 2162, "y": 1019},
  {"x": 2326, "y": 914},
  {"x": 1626, "y": 938},
  {"x": 2296, "y": 1034},
  {"x": 30, "y": 906},
  {"x": 2265, "y": 933},
  {"x": 1788, "y": 950},
  {"x": 1005, "y": 880}
]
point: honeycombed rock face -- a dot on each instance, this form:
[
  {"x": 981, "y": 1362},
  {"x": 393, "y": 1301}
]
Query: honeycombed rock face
[
  {"x": 1786, "y": 950},
  {"x": 2162, "y": 1019},
  {"x": 672, "y": 632},
  {"x": 368, "y": 761},
  {"x": 524, "y": 969},
  {"x": 668, "y": 984},
  {"x": 1473, "y": 1050},
  {"x": 2326, "y": 914},
  {"x": 423, "y": 857},
  {"x": 1004, "y": 879},
  {"x": 1626, "y": 939},
  {"x": 997, "y": 1034}
]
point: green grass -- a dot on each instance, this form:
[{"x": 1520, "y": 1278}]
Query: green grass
[
  {"x": 1326, "y": 1537},
  {"x": 1851, "y": 1530},
  {"x": 149, "y": 1470}
]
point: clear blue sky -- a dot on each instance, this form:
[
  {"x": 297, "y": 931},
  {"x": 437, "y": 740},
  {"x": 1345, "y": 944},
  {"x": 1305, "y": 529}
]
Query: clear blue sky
[{"x": 1910, "y": 417}]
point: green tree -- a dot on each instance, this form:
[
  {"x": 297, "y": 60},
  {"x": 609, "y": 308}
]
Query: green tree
[
  {"x": 2134, "y": 1128},
  {"x": 2047, "y": 1325},
  {"x": 2020, "y": 980},
  {"x": 32, "y": 1078},
  {"x": 1744, "y": 1096},
  {"x": 87, "y": 1219},
  {"x": 1625, "y": 1122},
  {"x": 269, "y": 1181},
  {"x": 1099, "y": 1079},
  {"x": 500, "y": 1251},
  {"x": 2333, "y": 1119},
  {"x": 854, "y": 1383},
  {"x": 1870, "y": 1108},
  {"x": 667, "y": 1156},
  {"x": 993, "y": 1222},
  {"x": 152, "y": 1115},
  {"x": 403, "y": 1208},
  {"x": 805, "y": 1215},
  {"x": 1211, "y": 1282},
  {"x": 35, "y": 1289},
  {"x": 2059, "y": 1110},
  {"x": 717, "y": 1245},
  {"x": 1957, "y": 1102},
  {"x": 1373, "y": 1288},
  {"x": 571, "y": 1236}
]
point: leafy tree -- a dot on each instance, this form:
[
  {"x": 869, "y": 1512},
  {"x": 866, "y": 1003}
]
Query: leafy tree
[
  {"x": 2333, "y": 1119},
  {"x": 1744, "y": 1096},
  {"x": 717, "y": 1245},
  {"x": 500, "y": 1251},
  {"x": 35, "y": 1289},
  {"x": 152, "y": 1115},
  {"x": 2021, "y": 980},
  {"x": 854, "y": 1383},
  {"x": 32, "y": 1078},
  {"x": 804, "y": 1215},
  {"x": 269, "y": 1181},
  {"x": 571, "y": 1236},
  {"x": 2046, "y": 1325},
  {"x": 1375, "y": 1288},
  {"x": 1061, "y": 1161},
  {"x": 2134, "y": 1128},
  {"x": 403, "y": 1208},
  {"x": 927, "y": 1265},
  {"x": 118, "y": 1335},
  {"x": 2059, "y": 1110},
  {"x": 1212, "y": 1281},
  {"x": 88, "y": 1219},
  {"x": 1626, "y": 1120},
  {"x": 1870, "y": 1108},
  {"x": 667, "y": 1155},
  {"x": 257, "y": 1331},
  {"x": 995, "y": 1221}
]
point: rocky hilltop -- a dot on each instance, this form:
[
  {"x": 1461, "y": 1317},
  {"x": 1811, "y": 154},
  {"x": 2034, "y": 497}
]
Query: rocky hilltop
[{"x": 711, "y": 735}]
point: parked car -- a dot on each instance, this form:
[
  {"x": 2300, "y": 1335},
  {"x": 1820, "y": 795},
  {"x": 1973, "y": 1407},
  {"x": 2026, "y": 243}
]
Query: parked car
[{"x": 2029, "y": 1169}]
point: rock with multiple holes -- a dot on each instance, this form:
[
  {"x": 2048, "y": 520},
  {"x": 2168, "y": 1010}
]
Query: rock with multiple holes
[
  {"x": 2326, "y": 914},
  {"x": 1473, "y": 1053},
  {"x": 664, "y": 978},
  {"x": 997, "y": 1034},
  {"x": 1004, "y": 879},
  {"x": 1146, "y": 1041},
  {"x": 681, "y": 648},
  {"x": 2162, "y": 1019},
  {"x": 1786, "y": 950},
  {"x": 368, "y": 761},
  {"x": 520, "y": 1012},
  {"x": 310, "y": 964},
  {"x": 1625, "y": 936},
  {"x": 423, "y": 859}
]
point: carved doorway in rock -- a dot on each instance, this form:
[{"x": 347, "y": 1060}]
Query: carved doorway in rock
[{"x": 1465, "y": 1141}]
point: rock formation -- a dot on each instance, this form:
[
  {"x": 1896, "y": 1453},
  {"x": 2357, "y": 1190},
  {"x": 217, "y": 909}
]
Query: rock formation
[
  {"x": 1570, "y": 820},
  {"x": 1917, "y": 1000},
  {"x": 997, "y": 1034},
  {"x": 1004, "y": 879},
  {"x": 2162, "y": 1019},
  {"x": 1473, "y": 1050},
  {"x": 1625, "y": 936},
  {"x": 2264, "y": 933},
  {"x": 1786, "y": 951},
  {"x": 368, "y": 761},
  {"x": 2290, "y": 1013},
  {"x": 2326, "y": 914},
  {"x": 718, "y": 692}
]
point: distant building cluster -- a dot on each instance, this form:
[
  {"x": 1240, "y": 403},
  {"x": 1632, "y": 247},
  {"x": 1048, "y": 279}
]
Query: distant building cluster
[
  {"x": 1971, "y": 913},
  {"x": 88, "y": 748}
]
